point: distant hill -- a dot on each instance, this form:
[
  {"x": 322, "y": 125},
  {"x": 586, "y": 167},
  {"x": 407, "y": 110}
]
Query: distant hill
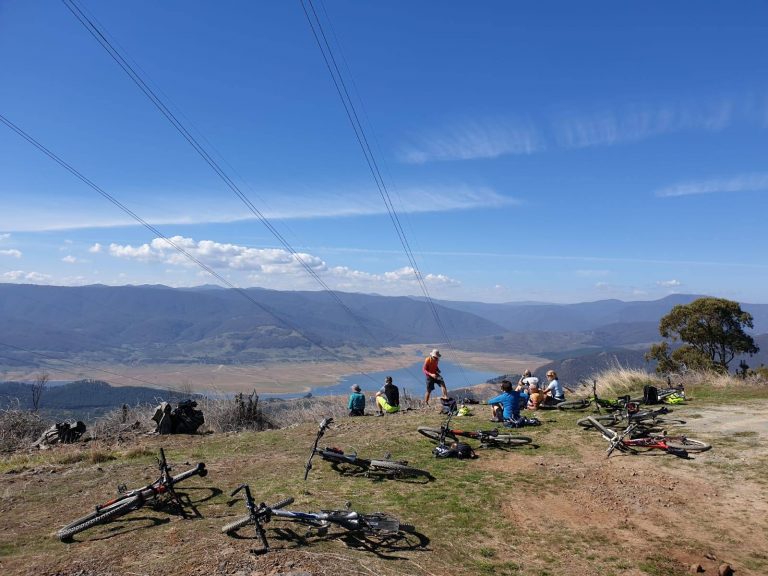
[
  {"x": 84, "y": 398},
  {"x": 160, "y": 324},
  {"x": 207, "y": 324},
  {"x": 529, "y": 317}
]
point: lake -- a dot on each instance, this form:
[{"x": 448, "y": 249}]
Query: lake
[{"x": 410, "y": 378}]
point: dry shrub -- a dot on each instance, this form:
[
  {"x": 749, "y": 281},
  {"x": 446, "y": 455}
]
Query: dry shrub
[
  {"x": 19, "y": 428},
  {"x": 243, "y": 412},
  {"x": 123, "y": 424},
  {"x": 618, "y": 381}
]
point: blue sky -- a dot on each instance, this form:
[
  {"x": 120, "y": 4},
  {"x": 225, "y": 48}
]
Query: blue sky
[{"x": 548, "y": 151}]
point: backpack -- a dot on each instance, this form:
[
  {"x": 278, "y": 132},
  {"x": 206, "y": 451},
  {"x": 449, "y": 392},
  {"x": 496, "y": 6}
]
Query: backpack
[
  {"x": 650, "y": 394},
  {"x": 449, "y": 406},
  {"x": 521, "y": 421},
  {"x": 185, "y": 419}
]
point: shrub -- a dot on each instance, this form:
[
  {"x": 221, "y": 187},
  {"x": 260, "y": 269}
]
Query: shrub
[{"x": 19, "y": 428}]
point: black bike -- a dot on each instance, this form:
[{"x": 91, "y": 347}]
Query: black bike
[
  {"x": 352, "y": 464},
  {"x": 378, "y": 525},
  {"x": 130, "y": 500}
]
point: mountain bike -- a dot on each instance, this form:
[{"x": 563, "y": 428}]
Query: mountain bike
[
  {"x": 487, "y": 438},
  {"x": 632, "y": 414},
  {"x": 352, "y": 464},
  {"x": 377, "y": 524},
  {"x": 597, "y": 402},
  {"x": 634, "y": 440},
  {"x": 130, "y": 500}
]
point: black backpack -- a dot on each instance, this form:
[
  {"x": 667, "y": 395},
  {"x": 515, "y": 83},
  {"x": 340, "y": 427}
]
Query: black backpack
[
  {"x": 449, "y": 406},
  {"x": 650, "y": 394}
]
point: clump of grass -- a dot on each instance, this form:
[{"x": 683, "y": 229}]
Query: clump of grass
[
  {"x": 123, "y": 424},
  {"x": 19, "y": 428}
]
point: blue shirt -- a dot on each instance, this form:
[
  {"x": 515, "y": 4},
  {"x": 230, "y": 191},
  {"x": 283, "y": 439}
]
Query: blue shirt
[
  {"x": 510, "y": 401},
  {"x": 356, "y": 401}
]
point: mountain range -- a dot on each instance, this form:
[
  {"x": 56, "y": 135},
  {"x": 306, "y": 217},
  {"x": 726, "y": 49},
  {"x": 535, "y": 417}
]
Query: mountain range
[{"x": 135, "y": 324}]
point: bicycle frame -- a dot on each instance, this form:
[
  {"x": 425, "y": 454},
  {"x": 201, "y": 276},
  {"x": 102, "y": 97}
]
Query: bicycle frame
[
  {"x": 349, "y": 519},
  {"x": 130, "y": 500}
]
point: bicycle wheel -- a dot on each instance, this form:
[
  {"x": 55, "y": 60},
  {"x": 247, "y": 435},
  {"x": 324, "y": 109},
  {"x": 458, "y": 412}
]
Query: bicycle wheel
[
  {"x": 687, "y": 444},
  {"x": 239, "y": 523},
  {"x": 581, "y": 404},
  {"x": 397, "y": 469},
  {"x": 435, "y": 433},
  {"x": 119, "y": 508},
  {"x": 343, "y": 463},
  {"x": 509, "y": 440}
]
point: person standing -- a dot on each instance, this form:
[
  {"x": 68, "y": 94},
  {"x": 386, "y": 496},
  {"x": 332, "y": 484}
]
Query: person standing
[
  {"x": 356, "y": 404},
  {"x": 388, "y": 398},
  {"x": 431, "y": 371}
]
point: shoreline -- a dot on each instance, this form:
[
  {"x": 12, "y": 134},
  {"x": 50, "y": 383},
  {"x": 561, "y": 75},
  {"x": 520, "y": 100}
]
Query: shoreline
[{"x": 275, "y": 377}]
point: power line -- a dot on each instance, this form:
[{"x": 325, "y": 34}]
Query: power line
[
  {"x": 357, "y": 127},
  {"x": 101, "y": 37},
  {"x": 178, "y": 248}
]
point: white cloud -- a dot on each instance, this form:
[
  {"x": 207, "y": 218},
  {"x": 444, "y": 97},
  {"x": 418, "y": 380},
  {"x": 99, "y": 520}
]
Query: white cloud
[
  {"x": 69, "y": 259},
  {"x": 95, "y": 249},
  {"x": 4, "y": 236},
  {"x": 741, "y": 183},
  {"x": 22, "y": 276},
  {"x": 472, "y": 140},
  {"x": 610, "y": 127},
  {"x": 275, "y": 267},
  {"x": 13, "y": 253}
]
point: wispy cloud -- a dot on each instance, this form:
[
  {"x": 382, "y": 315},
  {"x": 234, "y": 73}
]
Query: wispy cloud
[
  {"x": 669, "y": 283},
  {"x": 610, "y": 127},
  {"x": 69, "y": 259},
  {"x": 4, "y": 236},
  {"x": 22, "y": 276},
  {"x": 472, "y": 140},
  {"x": 13, "y": 253},
  {"x": 305, "y": 203},
  {"x": 741, "y": 183}
]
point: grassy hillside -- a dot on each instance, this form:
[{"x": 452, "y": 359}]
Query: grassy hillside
[{"x": 555, "y": 507}]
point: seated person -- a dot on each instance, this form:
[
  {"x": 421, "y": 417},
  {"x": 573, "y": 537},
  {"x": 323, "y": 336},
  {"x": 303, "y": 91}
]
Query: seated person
[
  {"x": 356, "y": 404},
  {"x": 526, "y": 382},
  {"x": 388, "y": 398},
  {"x": 506, "y": 405},
  {"x": 554, "y": 393},
  {"x": 535, "y": 396}
]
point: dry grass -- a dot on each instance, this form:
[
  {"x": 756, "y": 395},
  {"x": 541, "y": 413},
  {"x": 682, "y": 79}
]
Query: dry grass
[{"x": 19, "y": 428}]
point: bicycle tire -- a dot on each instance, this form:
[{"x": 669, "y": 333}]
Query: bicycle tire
[
  {"x": 399, "y": 469},
  {"x": 435, "y": 433},
  {"x": 509, "y": 440},
  {"x": 687, "y": 444},
  {"x": 582, "y": 404},
  {"x": 235, "y": 524},
  {"x": 118, "y": 509}
]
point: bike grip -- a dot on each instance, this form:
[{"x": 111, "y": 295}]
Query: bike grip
[
  {"x": 202, "y": 471},
  {"x": 283, "y": 503}
]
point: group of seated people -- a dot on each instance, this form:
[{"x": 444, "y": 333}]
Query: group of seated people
[
  {"x": 526, "y": 394},
  {"x": 505, "y": 406}
]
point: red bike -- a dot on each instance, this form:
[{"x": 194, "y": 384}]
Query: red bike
[{"x": 635, "y": 439}]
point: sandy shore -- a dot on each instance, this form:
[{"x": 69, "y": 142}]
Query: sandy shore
[{"x": 279, "y": 377}]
